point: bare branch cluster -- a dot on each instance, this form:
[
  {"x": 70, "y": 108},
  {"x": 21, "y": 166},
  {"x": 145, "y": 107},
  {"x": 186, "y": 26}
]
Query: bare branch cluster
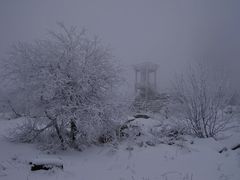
[{"x": 203, "y": 101}]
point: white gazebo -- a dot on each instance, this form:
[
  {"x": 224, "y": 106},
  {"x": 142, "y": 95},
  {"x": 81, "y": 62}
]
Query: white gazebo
[{"x": 146, "y": 77}]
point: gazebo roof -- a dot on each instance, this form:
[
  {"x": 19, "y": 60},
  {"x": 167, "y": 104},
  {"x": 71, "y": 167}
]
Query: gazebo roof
[{"x": 146, "y": 66}]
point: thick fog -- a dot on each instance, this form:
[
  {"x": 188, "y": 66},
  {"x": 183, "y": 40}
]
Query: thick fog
[{"x": 171, "y": 33}]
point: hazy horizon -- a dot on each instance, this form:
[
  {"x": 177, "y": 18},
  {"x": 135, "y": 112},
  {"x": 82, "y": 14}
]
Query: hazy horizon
[{"x": 169, "y": 33}]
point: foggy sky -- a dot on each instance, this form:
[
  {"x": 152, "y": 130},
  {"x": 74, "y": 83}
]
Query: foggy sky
[{"x": 171, "y": 33}]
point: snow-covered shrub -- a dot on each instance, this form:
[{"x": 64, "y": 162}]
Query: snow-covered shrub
[
  {"x": 140, "y": 131},
  {"x": 202, "y": 100},
  {"x": 30, "y": 130},
  {"x": 68, "y": 80},
  {"x": 152, "y": 131},
  {"x": 169, "y": 133},
  {"x": 24, "y": 132}
]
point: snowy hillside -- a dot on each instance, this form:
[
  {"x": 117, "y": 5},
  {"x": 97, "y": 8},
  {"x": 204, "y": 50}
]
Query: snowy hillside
[
  {"x": 120, "y": 90},
  {"x": 196, "y": 159}
]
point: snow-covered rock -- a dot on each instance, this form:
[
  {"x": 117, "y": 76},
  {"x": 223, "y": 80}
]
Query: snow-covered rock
[{"x": 146, "y": 125}]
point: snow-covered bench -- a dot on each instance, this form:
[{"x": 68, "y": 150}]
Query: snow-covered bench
[{"x": 45, "y": 164}]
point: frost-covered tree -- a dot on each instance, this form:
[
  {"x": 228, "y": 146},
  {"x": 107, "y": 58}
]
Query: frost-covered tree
[{"x": 67, "y": 80}]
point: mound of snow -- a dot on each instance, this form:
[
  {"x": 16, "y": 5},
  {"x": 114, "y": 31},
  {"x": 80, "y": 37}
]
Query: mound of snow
[
  {"x": 208, "y": 143},
  {"x": 2, "y": 170},
  {"x": 7, "y": 116}
]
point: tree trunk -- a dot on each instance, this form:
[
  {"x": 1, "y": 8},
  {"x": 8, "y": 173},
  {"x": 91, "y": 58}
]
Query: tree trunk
[
  {"x": 73, "y": 132},
  {"x": 59, "y": 135},
  {"x": 54, "y": 120}
]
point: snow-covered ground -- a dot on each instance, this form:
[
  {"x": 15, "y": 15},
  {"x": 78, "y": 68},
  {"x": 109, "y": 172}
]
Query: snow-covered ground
[{"x": 199, "y": 160}]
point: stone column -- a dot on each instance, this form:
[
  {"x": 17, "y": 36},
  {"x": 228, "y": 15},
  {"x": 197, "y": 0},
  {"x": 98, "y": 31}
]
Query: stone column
[
  {"x": 155, "y": 80},
  {"x": 136, "y": 80},
  {"x": 147, "y": 82}
]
